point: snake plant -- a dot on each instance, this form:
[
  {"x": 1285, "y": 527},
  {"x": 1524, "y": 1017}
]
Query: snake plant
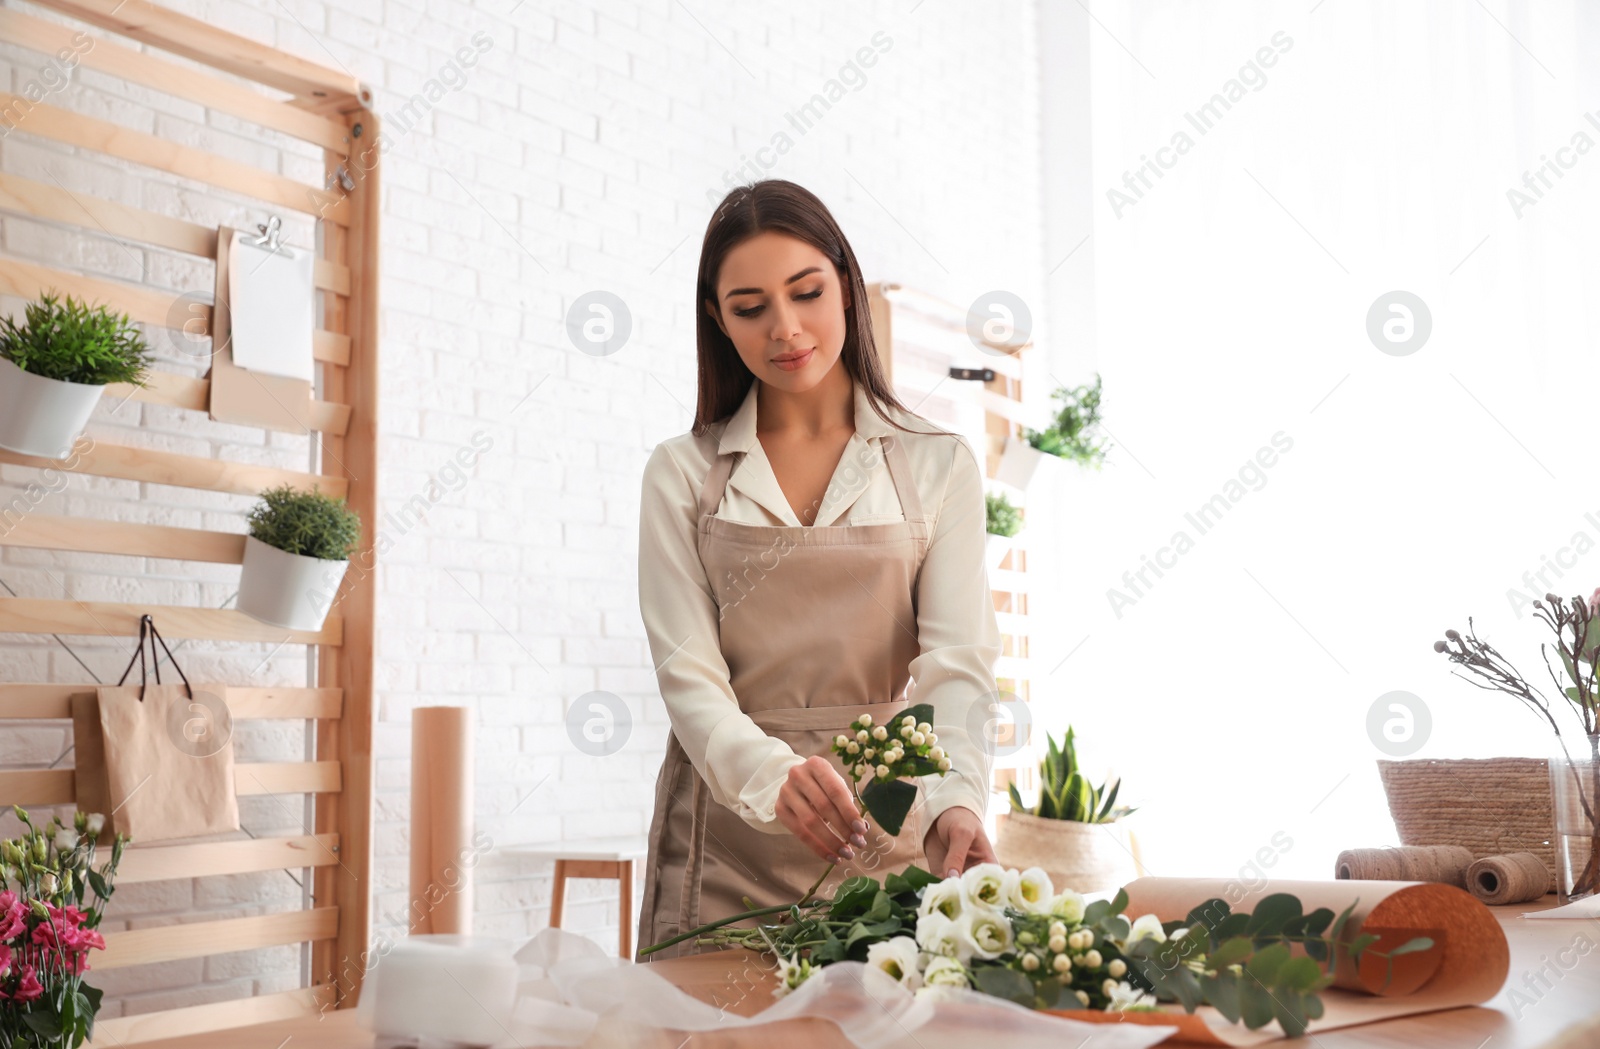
[{"x": 1065, "y": 793}]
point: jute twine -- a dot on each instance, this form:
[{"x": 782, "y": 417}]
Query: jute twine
[
  {"x": 1516, "y": 878},
  {"x": 1442, "y": 863},
  {"x": 1491, "y": 806}
]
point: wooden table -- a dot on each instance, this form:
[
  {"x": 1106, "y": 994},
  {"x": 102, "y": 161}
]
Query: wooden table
[{"x": 1566, "y": 952}]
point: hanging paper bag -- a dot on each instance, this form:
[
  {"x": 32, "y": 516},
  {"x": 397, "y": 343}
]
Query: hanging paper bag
[{"x": 168, "y": 753}]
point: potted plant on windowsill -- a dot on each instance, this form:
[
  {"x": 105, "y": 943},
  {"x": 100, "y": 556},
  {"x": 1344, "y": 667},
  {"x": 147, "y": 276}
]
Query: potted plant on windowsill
[
  {"x": 1064, "y": 832},
  {"x": 1071, "y": 435},
  {"x": 54, "y": 367},
  {"x": 1003, "y": 522},
  {"x": 295, "y": 557}
]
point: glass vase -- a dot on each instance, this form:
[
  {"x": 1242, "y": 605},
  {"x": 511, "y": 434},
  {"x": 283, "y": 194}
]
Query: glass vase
[{"x": 1575, "y": 794}]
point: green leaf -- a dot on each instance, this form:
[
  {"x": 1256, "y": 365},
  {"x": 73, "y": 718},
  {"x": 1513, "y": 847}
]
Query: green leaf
[
  {"x": 1300, "y": 974},
  {"x": 909, "y": 880},
  {"x": 43, "y": 1023},
  {"x": 1411, "y": 946},
  {"x": 1232, "y": 951},
  {"x": 889, "y": 802},
  {"x": 1255, "y": 1004},
  {"x": 853, "y": 896},
  {"x": 1222, "y": 993},
  {"x": 1004, "y": 983},
  {"x": 1264, "y": 965},
  {"x": 1289, "y": 1009},
  {"x": 1270, "y": 914}
]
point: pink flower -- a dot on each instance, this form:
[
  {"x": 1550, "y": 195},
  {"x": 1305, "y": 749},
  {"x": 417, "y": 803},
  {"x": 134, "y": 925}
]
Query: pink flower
[
  {"x": 12, "y": 914},
  {"x": 28, "y": 988},
  {"x": 1594, "y": 602},
  {"x": 5, "y": 960}
]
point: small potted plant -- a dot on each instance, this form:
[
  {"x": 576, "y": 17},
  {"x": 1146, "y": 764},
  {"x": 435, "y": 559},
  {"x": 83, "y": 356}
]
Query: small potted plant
[
  {"x": 1058, "y": 833},
  {"x": 295, "y": 556},
  {"x": 1071, "y": 435},
  {"x": 1004, "y": 521},
  {"x": 54, "y": 367}
]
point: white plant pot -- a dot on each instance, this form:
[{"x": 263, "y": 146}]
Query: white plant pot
[
  {"x": 1020, "y": 462},
  {"x": 292, "y": 591},
  {"x": 995, "y": 549},
  {"x": 40, "y": 416}
]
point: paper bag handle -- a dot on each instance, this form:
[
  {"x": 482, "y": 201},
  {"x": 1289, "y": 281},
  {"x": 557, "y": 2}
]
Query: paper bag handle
[{"x": 147, "y": 627}]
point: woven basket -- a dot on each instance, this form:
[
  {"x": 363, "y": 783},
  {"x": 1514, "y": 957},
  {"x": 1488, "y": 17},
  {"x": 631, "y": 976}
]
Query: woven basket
[{"x": 1488, "y": 805}]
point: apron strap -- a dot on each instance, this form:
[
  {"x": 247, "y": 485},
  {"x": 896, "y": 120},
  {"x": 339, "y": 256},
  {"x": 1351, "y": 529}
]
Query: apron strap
[{"x": 716, "y": 480}]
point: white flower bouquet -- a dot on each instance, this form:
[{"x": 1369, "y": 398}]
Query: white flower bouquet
[{"x": 1014, "y": 935}]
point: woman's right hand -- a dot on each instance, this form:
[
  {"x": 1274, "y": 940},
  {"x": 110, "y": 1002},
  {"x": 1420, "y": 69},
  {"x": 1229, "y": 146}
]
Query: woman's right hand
[{"x": 815, "y": 804}]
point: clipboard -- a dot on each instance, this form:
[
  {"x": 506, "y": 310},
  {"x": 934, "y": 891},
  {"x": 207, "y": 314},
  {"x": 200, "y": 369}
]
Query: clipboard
[{"x": 242, "y": 395}]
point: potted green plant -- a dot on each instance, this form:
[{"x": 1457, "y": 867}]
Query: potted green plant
[
  {"x": 54, "y": 367},
  {"x": 1071, "y": 435},
  {"x": 295, "y": 557},
  {"x": 1063, "y": 831},
  {"x": 1003, "y": 522}
]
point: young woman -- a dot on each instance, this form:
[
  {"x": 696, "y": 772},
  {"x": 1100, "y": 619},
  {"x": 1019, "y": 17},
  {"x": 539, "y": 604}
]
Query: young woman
[{"x": 803, "y": 553}]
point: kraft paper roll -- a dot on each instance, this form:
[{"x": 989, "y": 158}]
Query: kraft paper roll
[
  {"x": 441, "y": 820},
  {"x": 1467, "y": 964},
  {"x": 1441, "y": 863},
  {"x": 1515, "y": 877}
]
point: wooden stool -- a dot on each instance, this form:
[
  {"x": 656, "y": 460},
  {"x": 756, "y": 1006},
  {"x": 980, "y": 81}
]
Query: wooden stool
[{"x": 596, "y": 858}]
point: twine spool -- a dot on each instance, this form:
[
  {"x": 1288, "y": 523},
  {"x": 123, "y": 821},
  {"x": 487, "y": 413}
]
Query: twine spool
[
  {"x": 1512, "y": 878},
  {"x": 1441, "y": 863}
]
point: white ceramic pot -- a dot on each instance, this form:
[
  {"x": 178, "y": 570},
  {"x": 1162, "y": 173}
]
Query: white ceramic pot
[
  {"x": 288, "y": 590},
  {"x": 1083, "y": 857},
  {"x": 995, "y": 549},
  {"x": 40, "y": 416},
  {"x": 1020, "y": 462}
]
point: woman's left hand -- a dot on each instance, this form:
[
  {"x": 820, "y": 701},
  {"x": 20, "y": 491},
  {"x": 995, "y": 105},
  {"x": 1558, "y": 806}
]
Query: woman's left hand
[{"x": 955, "y": 842}]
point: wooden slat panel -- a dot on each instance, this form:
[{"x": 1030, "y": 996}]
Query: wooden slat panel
[
  {"x": 90, "y": 535},
  {"x": 55, "y": 204},
  {"x": 184, "y": 471},
  {"x": 167, "y": 943},
  {"x": 51, "y": 701},
  {"x": 58, "y": 786},
  {"x": 183, "y": 391},
  {"x": 192, "y": 84},
  {"x": 164, "y": 309},
  {"x": 125, "y": 1032},
  {"x": 75, "y": 129},
  {"x": 215, "y": 47},
  {"x": 33, "y": 615},
  {"x": 245, "y": 856}
]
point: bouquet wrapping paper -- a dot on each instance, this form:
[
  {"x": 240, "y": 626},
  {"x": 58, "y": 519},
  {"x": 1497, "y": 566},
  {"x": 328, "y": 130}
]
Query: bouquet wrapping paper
[{"x": 1466, "y": 966}]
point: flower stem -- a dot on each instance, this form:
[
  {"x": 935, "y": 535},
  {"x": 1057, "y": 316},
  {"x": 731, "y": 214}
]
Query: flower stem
[{"x": 758, "y": 912}]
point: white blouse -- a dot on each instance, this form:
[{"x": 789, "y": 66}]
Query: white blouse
[{"x": 958, "y": 635}]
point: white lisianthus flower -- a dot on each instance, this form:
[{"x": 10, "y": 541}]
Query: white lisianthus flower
[
  {"x": 989, "y": 931},
  {"x": 945, "y": 972},
  {"x": 983, "y": 884},
  {"x": 1068, "y": 906},
  {"x": 1147, "y": 925},
  {"x": 1125, "y": 996},
  {"x": 944, "y": 897},
  {"x": 791, "y": 974},
  {"x": 96, "y": 823},
  {"x": 943, "y": 937},
  {"x": 897, "y": 956},
  {"x": 1029, "y": 890},
  {"x": 66, "y": 839}
]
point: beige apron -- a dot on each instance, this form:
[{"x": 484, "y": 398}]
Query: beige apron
[{"x": 818, "y": 625}]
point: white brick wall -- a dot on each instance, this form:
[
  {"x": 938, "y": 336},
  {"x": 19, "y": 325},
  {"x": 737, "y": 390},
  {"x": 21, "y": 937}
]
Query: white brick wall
[{"x": 577, "y": 155}]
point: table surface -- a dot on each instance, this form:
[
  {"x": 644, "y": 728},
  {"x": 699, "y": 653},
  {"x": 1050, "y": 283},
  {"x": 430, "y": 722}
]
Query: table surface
[
  {"x": 1553, "y": 983},
  {"x": 627, "y": 848}
]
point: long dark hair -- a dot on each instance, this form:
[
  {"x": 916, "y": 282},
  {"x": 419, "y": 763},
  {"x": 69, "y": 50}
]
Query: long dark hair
[{"x": 780, "y": 205}]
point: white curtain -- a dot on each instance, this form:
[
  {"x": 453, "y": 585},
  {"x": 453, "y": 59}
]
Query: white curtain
[{"x": 1406, "y": 491}]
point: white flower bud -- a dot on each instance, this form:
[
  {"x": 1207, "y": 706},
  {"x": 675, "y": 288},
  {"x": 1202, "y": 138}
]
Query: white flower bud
[
  {"x": 944, "y": 764},
  {"x": 1058, "y": 943},
  {"x": 936, "y": 753},
  {"x": 840, "y": 740},
  {"x": 1058, "y": 928},
  {"x": 862, "y": 737},
  {"x": 880, "y": 733},
  {"x": 892, "y": 756},
  {"x": 1082, "y": 996},
  {"x": 917, "y": 739},
  {"x": 865, "y": 719},
  {"x": 1118, "y": 968},
  {"x": 1108, "y": 988},
  {"x": 1092, "y": 960},
  {"x": 852, "y": 747},
  {"x": 930, "y": 737},
  {"x": 868, "y": 753},
  {"x": 908, "y": 720},
  {"x": 1061, "y": 963},
  {"x": 1030, "y": 962},
  {"x": 96, "y": 823},
  {"x": 924, "y": 728},
  {"x": 883, "y": 772}
]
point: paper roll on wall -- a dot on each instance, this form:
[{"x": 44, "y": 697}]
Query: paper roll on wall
[
  {"x": 441, "y": 820},
  {"x": 1467, "y": 964}
]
